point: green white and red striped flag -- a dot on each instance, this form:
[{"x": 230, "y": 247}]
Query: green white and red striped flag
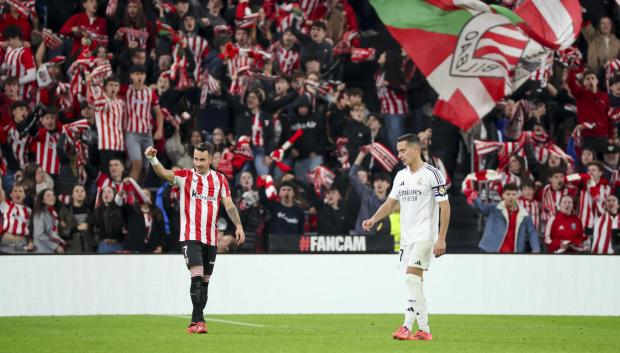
[{"x": 474, "y": 54}]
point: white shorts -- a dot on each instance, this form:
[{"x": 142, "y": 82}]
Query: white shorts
[{"x": 416, "y": 255}]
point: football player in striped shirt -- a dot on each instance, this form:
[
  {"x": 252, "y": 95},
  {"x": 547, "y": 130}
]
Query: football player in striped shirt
[{"x": 201, "y": 191}]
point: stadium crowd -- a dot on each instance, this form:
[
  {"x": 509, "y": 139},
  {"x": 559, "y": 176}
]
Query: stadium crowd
[{"x": 303, "y": 101}]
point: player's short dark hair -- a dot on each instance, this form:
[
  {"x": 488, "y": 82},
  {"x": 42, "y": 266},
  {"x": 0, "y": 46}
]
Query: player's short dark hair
[
  {"x": 12, "y": 32},
  {"x": 409, "y": 138},
  {"x": 205, "y": 147},
  {"x": 510, "y": 187},
  {"x": 384, "y": 176},
  {"x": 598, "y": 164}
]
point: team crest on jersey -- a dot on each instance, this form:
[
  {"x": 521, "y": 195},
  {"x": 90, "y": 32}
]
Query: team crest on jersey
[
  {"x": 419, "y": 181},
  {"x": 573, "y": 226}
]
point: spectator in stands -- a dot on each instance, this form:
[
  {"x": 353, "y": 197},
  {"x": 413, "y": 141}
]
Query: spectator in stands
[
  {"x": 145, "y": 226},
  {"x": 391, "y": 89},
  {"x": 85, "y": 28},
  {"x": 73, "y": 224},
  {"x": 592, "y": 108},
  {"x": 106, "y": 223},
  {"x": 607, "y": 228},
  {"x": 314, "y": 46},
  {"x": 593, "y": 190},
  {"x": 9, "y": 96},
  {"x": 532, "y": 206},
  {"x": 19, "y": 62},
  {"x": 356, "y": 131},
  {"x": 331, "y": 216},
  {"x": 285, "y": 217},
  {"x": 308, "y": 149},
  {"x": 603, "y": 45},
  {"x": 587, "y": 156},
  {"x": 564, "y": 231},
  {"x": 180, "y": 153},
  {"x": 251, "y": 211},
  {"x": 45, "y": 225},
  {"x": 142, "y": 102},
  {"x": 15, "y": 221},
  {"x": 371, "y": 198},
  {"x": 110, "y": 113},
  {"x": 611, "y": 160},
  {"x": 552, "y": 193},
  {"x": 508, "y": 228}
]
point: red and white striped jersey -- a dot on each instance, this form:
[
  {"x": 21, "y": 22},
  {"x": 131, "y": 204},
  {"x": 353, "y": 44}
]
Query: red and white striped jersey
[
  {"x": 591, "y": 200},
  {"x": 551, "y": 200},
  {"x": 19, "y": 144},
  {"x": 44, "y": 146},
  {"x": 140, "y": 103},
  {"x": 257, "y": 131},
  {"x": 603, "y": 227},
  {"x": 109, "y": 118},
  {"x": 199, "y": 46},
  {"x": 19, "y": 62},
  {"x": 15, "y": 218},
  {"x": 533, "y": 209},
  {"x": 287, "y": 59},
  {"x": 391, "y": 102},
  {"x": 308, "y": 7},
  {"x": 238, "y": 67},
  {"x": 199, "y": 205}
]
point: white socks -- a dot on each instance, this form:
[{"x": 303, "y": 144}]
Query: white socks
[{"x": 416, "y": 305}]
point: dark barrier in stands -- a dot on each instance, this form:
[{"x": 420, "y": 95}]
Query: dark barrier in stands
[{"x": 331, "y": 244}]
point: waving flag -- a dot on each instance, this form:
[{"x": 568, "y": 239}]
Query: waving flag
[
  {"x": 552, "y": 23},
  {"x": 472, "y": 54}
]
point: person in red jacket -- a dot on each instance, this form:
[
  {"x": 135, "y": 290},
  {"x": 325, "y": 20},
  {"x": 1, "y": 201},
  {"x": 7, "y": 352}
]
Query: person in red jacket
[
  {"x": 592, "y": 107},
  {"x": 564, "y": 232},
  {"x": 85, "y": 23}
]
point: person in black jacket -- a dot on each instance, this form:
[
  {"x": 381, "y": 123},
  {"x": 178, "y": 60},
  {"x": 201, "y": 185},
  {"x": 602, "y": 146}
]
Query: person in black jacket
[
  {"x": 308, "y": 149},
  {"x": 356, "y": 131},
  {"x": 145, "y": 226},
  {"x": 331, "y": 215},
  {"x": 285, "y": 216},
  {"x": 252, "y": 121}
]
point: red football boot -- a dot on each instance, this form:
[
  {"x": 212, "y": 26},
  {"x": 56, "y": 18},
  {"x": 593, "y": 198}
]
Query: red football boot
[
  {"x": 421, "y": 336},
  {"x": 197, "y": 327},
  {"x": 402, "y": 333}
]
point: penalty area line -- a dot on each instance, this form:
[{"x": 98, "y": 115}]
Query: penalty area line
[{"x": 207, "y": 319}]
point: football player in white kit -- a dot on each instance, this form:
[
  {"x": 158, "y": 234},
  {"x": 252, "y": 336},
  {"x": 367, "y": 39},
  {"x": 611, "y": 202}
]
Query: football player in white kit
[{"x": 424, "y": 217}]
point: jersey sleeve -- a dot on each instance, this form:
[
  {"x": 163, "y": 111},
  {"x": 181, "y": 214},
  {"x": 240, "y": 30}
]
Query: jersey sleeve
[
  {"x": 438, "y": 185},
  {"x": 394, "y": 192},
  {"x": 179, "y": 176},
  {"x": 225, "y": 189},
  {"x": 4, "y": 206}
]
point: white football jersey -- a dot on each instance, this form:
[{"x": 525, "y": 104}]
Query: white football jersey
[{"x": 419, "y": 193}]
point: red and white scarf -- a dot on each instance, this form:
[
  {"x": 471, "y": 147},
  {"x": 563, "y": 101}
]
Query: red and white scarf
[
  {"x": 321, "y": 177},
  {"x": 258, "y": 138},
  {"x": 383, "y": 156}
]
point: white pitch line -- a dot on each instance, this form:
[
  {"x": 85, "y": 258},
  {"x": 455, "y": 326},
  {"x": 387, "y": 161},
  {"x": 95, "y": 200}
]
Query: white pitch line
[{"x": 227, "y": 321}]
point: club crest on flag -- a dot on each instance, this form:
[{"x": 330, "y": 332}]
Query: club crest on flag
[{"x": 487, "y": 48}]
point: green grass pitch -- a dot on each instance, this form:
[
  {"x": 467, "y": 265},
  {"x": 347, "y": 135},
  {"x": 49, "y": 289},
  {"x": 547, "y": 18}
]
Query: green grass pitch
[{"x": 307, "y": 333}]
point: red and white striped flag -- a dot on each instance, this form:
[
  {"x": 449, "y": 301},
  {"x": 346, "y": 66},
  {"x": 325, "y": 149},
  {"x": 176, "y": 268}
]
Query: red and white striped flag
[{"x": 552, "y": 23}]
